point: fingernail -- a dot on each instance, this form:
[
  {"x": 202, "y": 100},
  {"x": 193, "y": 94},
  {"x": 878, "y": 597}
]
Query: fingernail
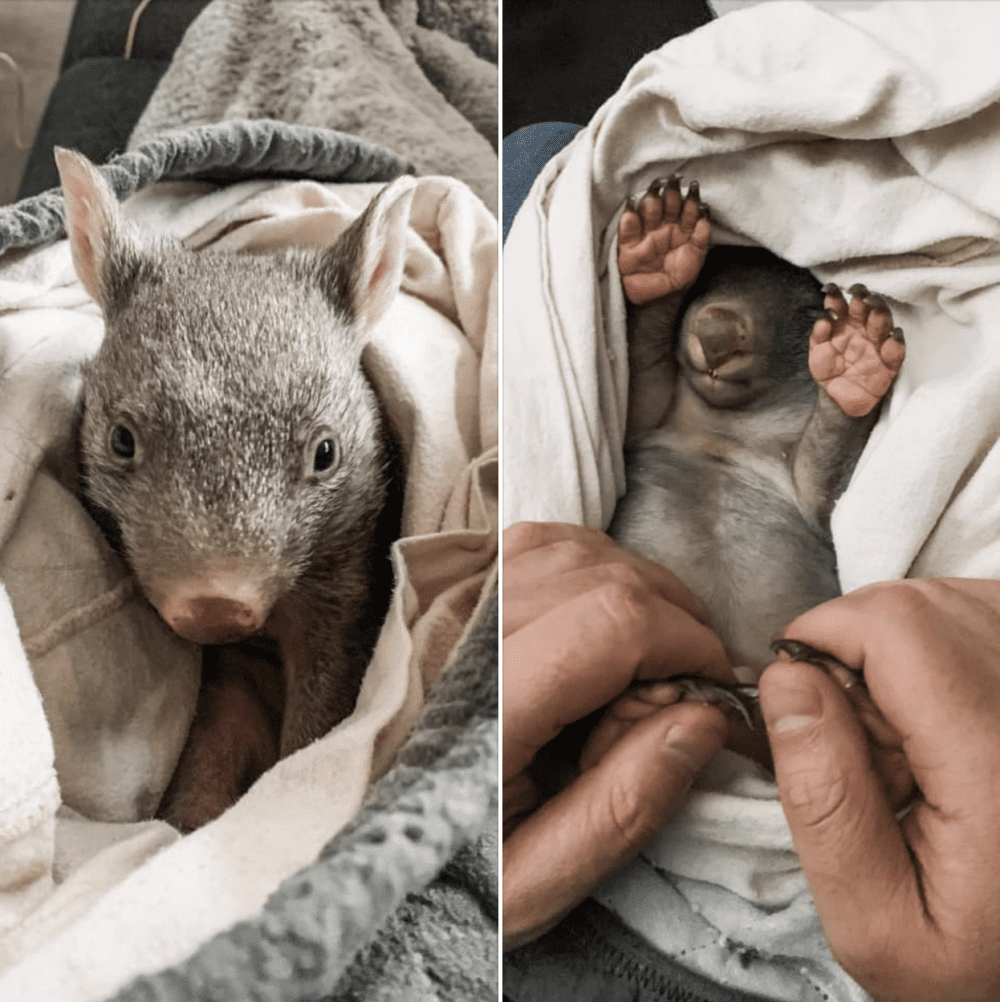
[
  {"x": 790, "y": 708},
  {"x": 661, "y": 693},
  {"x": 691, "y": 746}
]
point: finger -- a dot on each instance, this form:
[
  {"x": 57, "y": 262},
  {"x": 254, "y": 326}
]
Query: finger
[
  {"x": 604, "y": 818},
  {"x": 852, "y": 850},
  {"x": 702, "y": 233},
  {"x": 858, "y": 309},
  {"x": 879, "y": 321},
  {"x": 521, "y": 795},
  {"x": 893, "y": 351},
  {"x": 629, "y": 228},
  {"x": 544, "y": 586},
  {"x": 672, "y": 199},
  {"x": 543, "y": 561},
  {"x": 584, "y": 652},
  {"x": 833, "y": 299},
  {"x": 651, "y": 211},
  {"x": 930, "y": 651},
  {"x": 690, "y": 210},
  {"x": 822, "y": 331},
  {"x": 638, "y": 703},
  {"x": 523, "y": 536}
]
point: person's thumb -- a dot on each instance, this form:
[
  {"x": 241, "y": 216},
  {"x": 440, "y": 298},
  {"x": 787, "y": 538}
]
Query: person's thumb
[
  {"x": 851, "y": 848},
  {"x": 604, "y": 818}
]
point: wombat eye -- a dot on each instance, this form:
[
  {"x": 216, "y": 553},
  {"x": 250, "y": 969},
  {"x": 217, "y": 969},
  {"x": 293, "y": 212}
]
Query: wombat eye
[
  {"x": 122, "y": 442},
  {"x": 325, "y": 456}
]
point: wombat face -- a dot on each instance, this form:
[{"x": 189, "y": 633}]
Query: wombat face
[
  {"x": 745, "y": 327},
  {"x": 228, "y": 428}
]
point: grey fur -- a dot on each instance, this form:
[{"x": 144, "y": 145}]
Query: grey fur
[
  {"x": 225, "y": 372},
  {"x": 734, "y": 494}
]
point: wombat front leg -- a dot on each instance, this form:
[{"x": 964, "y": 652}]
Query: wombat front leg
[
  {"x": 233, "y": 740},
  {"x": 662, "y": 244},
  {"x": 855, "y": 353},
  {"x": 322, "y": 673}
]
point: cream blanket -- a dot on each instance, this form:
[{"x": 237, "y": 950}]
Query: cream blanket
[
  {"x": 863, "y": 145},
  {"x": 84, "y": 905}
]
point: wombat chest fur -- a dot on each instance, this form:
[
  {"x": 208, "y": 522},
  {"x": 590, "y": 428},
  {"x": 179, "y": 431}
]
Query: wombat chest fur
[
  {"x": 731, "y": 485},
  {"x": 231, "y": 438}
]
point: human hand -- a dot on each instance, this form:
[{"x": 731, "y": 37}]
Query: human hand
[
  {"x": 911, "y": 908},
  {"x": 583, "y": 619}
]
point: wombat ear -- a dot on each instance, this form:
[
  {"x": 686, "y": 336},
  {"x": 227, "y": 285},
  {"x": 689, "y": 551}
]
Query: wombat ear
[
  {"x": 94, "y": 223},
  {"x": 363, "y": 269}
]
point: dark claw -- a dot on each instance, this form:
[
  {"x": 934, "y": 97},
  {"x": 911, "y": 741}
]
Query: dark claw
[
  {"x": 897, "y": 335},
  {"x": 858, "y": 290},
  {"x": 798, "y": 651},
  {"x": 704, "y": 212},
  {"x": 694, "y": 191},
  {"x": 876, "y": 302},
  {"x": 836, "y": 669},
  {"x": 831, "y": 289},
  {"x": 630, "y": 204},
  {"x": 674, "y": 181},
  {"x": 742, "y": 698},
  {"x": 656, "y": 186}
]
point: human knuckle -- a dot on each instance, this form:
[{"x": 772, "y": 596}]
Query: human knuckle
[
  {"x": 524, "y": 535},
  {"x": 629, "y": 815},
  {"x": 625, "y": 575},
  {"x": 626, "y": 606},
  {"x": 905, "y": 601},
  {"x": 573, "y": 553},
  {"x": 818, "y": 806}
]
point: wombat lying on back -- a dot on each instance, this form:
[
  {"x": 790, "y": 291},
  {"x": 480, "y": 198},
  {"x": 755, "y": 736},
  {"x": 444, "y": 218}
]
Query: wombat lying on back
[
  {"x": 751, "y": 399},
  {"x": 229, "y": 435}
]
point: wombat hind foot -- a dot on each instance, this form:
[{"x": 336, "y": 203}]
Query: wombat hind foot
[
  {"x": 662, "y": 242},
  {"x": 855, "y": 351}
]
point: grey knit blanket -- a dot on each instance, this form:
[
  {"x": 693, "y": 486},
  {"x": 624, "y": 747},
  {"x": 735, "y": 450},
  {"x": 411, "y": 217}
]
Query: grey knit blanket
[
  {"x": 402, "y": 904},
  {"x": 417, "y": 76},
  {"x": 411, "y": 883},
  {"x": 229, "y": 151}
]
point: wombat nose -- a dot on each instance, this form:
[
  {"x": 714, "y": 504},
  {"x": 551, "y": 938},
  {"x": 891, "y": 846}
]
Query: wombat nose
[
  {"x": 720, "y": 334},
  {"x": 718, "y": 345},
  {"x": 209, "y": 619}
]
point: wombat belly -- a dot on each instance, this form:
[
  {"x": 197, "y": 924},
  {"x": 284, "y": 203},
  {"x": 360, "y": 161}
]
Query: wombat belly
[{"x": 733, "y": 536}]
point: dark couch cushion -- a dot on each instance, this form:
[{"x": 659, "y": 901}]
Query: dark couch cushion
[
  {"x": 563, "y": 59},
  {"x": 93, "y": 108},
  {"x": 100, "y": 27}
]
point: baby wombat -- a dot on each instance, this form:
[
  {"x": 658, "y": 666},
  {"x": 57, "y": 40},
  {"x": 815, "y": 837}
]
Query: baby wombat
[
  {"x": 751, "y": 397},
  {"x": 231, "y": 438}
]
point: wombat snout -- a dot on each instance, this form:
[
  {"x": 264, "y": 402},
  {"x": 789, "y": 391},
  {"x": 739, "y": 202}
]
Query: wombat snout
[
  {"x": 212, "y": 613},
  {"x": 721, "y": 333}
]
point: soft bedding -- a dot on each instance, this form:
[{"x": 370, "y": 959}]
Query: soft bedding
[
  {"x": 93, "y": 896},
  {"x": 859, "y": 144}
]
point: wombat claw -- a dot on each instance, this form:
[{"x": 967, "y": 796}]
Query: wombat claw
[
  {"x": 742, "y": 698},
  {"x": 798, "y": 651},
  {"x": 745, "y": 699}
]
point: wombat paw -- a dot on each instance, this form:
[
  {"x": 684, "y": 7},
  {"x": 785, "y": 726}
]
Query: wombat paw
[
  {"x": 662, "y": 241},
  {"x": 855, "y": 351}
]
